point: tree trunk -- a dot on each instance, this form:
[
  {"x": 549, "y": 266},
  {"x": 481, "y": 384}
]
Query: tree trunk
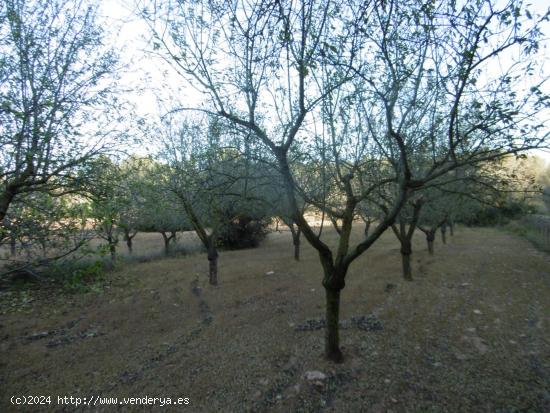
[
  {"x": 332, "y": 338},
  {"x": 166, "y": 246},
  {"x": 128, "y": 238},
  {"x": 366, "y": 229},
  {"x": 451, "y": 227},
  {"x": 444, "y": 233},
  {"x": 13, "y": 246},
  {"x": 112, "y": 250},
  {"x": 430, "y": 237},
  {"x": 406, "y": 251},
  {"x": 296, "y": 242},
  {"x": 213, "y": 265},
  {"x": 5, "y": 200},
  {"x": 166, "y": 243}
]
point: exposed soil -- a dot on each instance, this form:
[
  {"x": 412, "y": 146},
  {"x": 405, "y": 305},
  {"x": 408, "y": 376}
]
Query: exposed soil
[{"x": 469, "y": 334}]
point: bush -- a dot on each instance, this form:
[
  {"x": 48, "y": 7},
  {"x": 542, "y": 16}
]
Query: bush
[
  {"x": 532, "y": 233},
  {"x": 243, "y": 232},
  {"x": 489, "y": 215},
  {"x": 79, "y": 276}
]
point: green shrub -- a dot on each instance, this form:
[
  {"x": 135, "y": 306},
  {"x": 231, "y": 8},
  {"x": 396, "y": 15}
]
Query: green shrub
[
  {"x": 79, "y": 276},
  {"x": 243, "y": 232},
  {"x": 492, "y": 215}
]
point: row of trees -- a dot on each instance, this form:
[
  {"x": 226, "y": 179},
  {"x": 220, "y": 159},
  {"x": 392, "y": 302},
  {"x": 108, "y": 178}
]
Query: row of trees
[
  {"x": 384, "y": 111},
  {"x": 385, "y": 98}
]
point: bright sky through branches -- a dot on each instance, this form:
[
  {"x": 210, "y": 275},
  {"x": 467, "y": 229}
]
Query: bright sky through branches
[{"x": 154, "y": 87}]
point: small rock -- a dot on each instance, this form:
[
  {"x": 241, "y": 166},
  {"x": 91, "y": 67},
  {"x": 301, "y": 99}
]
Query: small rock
[
  {"x": 480, "y": 345},
  {"x": 460, "y": 356},
  {"x": 477, "y": 312},
  {"x": 387, "y": 381},
  {"x": 270, "y": 273},
  {"x": 471, "y": 329},
  {"x": 264, "y": 381},
  {"x": 512, "y": 341},
  {"x": 315, "y": 375},
  {"x": 38, "y": 336},
  {"x": 313, "y": 290}
]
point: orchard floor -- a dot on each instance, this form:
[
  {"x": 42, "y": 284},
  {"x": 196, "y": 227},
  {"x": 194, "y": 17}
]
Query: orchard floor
[{"x": 470, "y": 334}]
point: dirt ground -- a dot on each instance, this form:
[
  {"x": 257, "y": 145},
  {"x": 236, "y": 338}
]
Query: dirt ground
[{"x": 470, "y": 334}]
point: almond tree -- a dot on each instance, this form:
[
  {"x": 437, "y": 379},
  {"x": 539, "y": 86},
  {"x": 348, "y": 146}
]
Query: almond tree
[
  {"x": 204, "y": 174},
  {"x": 387, "y": 80},
  {"x": 107, "y": 201},
  {"x": 43, "y": 229},
  {"x": 55, "y": 87}
]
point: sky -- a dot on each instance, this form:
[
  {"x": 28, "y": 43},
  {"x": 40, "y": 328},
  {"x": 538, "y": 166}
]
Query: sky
[{"x": 130, "y": 36}]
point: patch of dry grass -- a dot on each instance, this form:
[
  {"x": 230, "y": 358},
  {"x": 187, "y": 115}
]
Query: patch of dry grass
[{"x": 469, "y": 334}]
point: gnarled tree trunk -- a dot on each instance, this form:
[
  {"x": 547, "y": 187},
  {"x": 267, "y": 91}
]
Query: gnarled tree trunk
[
  {"x": 167, "y": 240},
  {"x": 404, "y": 235},
  {"x": 334, "y": 283}
]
